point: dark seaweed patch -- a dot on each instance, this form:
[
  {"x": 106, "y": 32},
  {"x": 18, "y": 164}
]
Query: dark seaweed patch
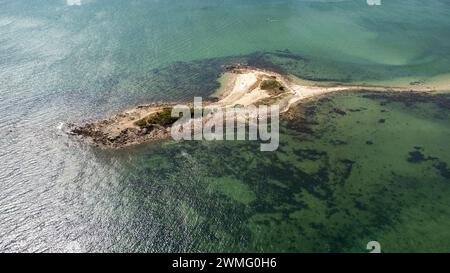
[
  {"x": 338, "y": 142},
  {"x": 309, "y": 154},
  {"x": 356, "y": 110},
  {"x": 338, "y": 111},
  {"x": 416, "y": 157},
  {"x": 443, "y": 169},
  {"x": 410, "y": 98},
  {"x": 360, "y": 205},
  {"x": 261, "y": 60},
  {"x": 344, "y": 169}
]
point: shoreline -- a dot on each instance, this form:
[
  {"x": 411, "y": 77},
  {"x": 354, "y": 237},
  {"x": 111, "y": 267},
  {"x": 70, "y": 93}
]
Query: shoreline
[
  {"x": 436, "y": 84},
  {"x": 241, "y": 86}
]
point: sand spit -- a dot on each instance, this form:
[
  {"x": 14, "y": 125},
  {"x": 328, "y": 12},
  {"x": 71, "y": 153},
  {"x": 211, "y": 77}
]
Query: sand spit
[{"x": 244, "y": 86}]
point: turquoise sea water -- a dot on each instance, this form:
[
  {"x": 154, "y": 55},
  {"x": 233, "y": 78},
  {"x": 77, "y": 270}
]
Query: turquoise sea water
[{"x": 379, "y": 172}]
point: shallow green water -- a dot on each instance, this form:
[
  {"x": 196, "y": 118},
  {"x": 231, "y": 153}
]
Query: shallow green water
[
  {"x": 379, "y": 172},
  {"x": 350, "y": 169}
]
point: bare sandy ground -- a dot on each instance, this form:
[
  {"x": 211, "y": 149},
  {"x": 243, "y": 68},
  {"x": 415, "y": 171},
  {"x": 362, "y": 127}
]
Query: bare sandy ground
[{"x": 243, "y": 88}]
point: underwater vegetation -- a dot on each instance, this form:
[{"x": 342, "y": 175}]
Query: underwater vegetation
[{"x": 340, "y": 179}]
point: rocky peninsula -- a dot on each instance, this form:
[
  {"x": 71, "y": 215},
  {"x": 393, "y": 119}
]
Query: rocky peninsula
[{"x": 242, "y": 86}]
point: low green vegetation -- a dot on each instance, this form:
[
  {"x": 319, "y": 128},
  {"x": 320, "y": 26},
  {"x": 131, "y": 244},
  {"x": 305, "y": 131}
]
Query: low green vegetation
[
  {"x": 273, "y": 87},
  {"x": 163, "y": 118}
]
